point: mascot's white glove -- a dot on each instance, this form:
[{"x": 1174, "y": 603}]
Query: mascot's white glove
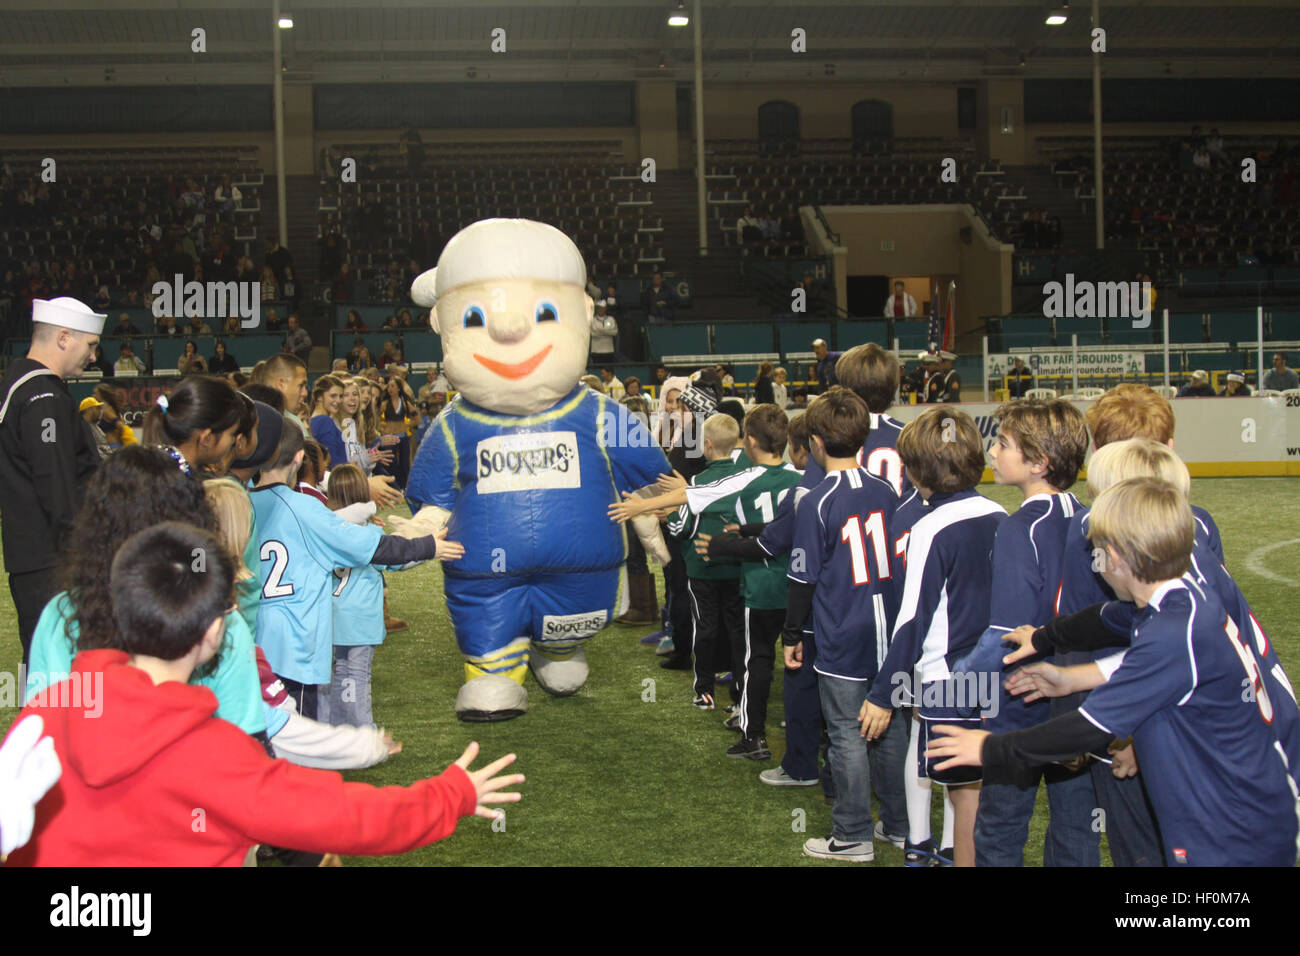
[
  {"x": 648, "y": 530},
  {"x": 428, "y": 520},
  {"x": 28, "y": 768}
]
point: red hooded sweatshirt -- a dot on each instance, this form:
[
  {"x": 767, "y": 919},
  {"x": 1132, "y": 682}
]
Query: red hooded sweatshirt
[{"x": 152, "y": 778}]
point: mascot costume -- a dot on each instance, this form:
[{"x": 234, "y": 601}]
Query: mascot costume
[{"x": 521, "y": 466}]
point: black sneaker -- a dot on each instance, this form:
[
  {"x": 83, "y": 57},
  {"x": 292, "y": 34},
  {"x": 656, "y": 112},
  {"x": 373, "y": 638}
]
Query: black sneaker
[
  {"x": 703, "y": 701},
  {"x": 919, "y": 854},
  {"x": 943, "y": 857},
  {"x": 750, "y": 748},
  {"x": 732, "y": 723}
]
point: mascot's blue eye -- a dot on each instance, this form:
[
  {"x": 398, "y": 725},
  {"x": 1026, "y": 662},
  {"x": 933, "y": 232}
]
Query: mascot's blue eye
[
  {"x": 474, "y": 318},
  {"x": 546, "y": 312}
]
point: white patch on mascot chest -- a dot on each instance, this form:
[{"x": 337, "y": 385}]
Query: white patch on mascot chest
[
  {"x": 528, "y": 461},
  {"x": 557, "y": 627}
]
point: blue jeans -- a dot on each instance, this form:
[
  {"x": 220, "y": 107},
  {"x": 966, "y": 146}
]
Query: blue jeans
[
  {"x": 853, "y": 761},
  {"x": 1132, "y": 832},
  {"x": 1002, "y": 823},
  {"x": 348, "y": 700}
]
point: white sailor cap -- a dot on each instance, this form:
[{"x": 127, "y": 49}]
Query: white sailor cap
[
  {"x": 947, "y": 356},
  {"x": 68, "y": 313}
]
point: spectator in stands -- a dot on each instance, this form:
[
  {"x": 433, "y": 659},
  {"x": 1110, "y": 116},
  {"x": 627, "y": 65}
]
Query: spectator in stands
[
  {"x": 193, "y": 196},
  {"x": 390, "y": 321},
  {"x": 222, "y": 362},
  {"x": 355, "y": 323},
  {"x": 102, "y": 301},
  {"x": 604, "y": 332},
  {"x": 360, "y": 359},
  {"x": 812, "y": 294},
  {"x": 901, "y": 304},
  {"x": 1236, "y": 386},
  {"x": 824, "y": 370},
  {"x": 379, "y": 289},
  {"x": 191, "y": 362},
  {"x": 231, "y": 326},
  {"x": 780, "y": 392},
  {"x": 792, "y": 226},
  {"x": 100, "y": 362},
  {"x": 166, "y": 325},
  {"x": 1201, "y": 159},
  {"x": 404, "y": 319},
  {"x": 297, "y": 340},
  {"x": 1280, "y": 378},
  {"x": 289, "y": 288},
  {"x": 1019, "y": 379},
  {"x": 221, "y": 263},
  {"x": 331, "y": 256},
  {"x": 226, "y": 195},
  {"x": 799, "y": 398},
  {"x": 1198, "y": 387},
  {"x": 345, "y": 285},
  {"x": 413, "y": 148},
  {"x": 754, "y": 225},
  {"x": 124, "y": 326},
  {"x": 612, "y": 386},
  {"x": 278, "y": 258},
  {"x": 763, "y": 392},
  {"x": 593, "y": 287},
  {"x": 1214, "y": 145},
  {"x": 611, "y": 301},
  {"x": 661, "y": 376},
  {"x": 269, "y": 287},
  {"x": 632, "y": 388},
  {"x": 659, "y": 301},
  {"x": 196, "y": 326},
  {"x": 127, "y": 360},
  {"x": 1055, "y": 231},
  {"x": 435, "y": 384},
  {"x": 398, "y": 365},
  {"x": 944, "y": 385},
  {"x": 725, "y": 373},
  {"x": 386, "y": 354},
  {"x": 272, "y": 321},
  {"x": 770, "y": 228}
]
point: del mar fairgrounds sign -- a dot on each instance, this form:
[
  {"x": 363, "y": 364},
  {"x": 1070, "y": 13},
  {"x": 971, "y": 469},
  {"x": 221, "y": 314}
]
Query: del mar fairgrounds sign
[{"x": 1062, "y": 362}]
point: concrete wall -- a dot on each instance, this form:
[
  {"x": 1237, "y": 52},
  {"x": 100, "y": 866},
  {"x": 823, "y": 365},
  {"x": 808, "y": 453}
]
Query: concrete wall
[
  {"x": 920, "y": 109},
  {"x": 656, "y": 116}
]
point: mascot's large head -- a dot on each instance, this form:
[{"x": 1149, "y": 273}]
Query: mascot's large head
[{"x": 509, "y": 299}]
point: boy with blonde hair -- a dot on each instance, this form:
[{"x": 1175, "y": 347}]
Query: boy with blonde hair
[{"x": 1217, "y": 778}]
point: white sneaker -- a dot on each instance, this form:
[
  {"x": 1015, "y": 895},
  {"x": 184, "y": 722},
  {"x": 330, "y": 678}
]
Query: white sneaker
[
  {"x": 829, "y": 849},
  {"x": 884, "y": 837},
  {"x": 777, "y": 777}
]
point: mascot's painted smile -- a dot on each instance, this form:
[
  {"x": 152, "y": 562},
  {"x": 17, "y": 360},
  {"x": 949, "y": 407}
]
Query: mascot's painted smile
[{"x": 517, "y": 370}]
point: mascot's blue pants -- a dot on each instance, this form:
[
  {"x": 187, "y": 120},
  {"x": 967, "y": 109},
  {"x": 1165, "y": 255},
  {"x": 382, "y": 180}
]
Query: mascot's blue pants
[{"x": 498, "y": 619}]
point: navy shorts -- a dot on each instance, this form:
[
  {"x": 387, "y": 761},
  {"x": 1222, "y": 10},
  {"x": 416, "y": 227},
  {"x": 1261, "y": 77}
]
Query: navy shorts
[{"x": 953, "y": 776}]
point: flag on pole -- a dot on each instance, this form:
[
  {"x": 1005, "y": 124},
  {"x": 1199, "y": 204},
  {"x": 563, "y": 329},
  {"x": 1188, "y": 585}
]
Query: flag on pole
[
  {"x": 936, "y": 330},
  {"x": 950, "y": 318}
]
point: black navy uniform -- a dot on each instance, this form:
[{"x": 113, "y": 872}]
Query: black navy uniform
[{"x": 46, "y": 456}]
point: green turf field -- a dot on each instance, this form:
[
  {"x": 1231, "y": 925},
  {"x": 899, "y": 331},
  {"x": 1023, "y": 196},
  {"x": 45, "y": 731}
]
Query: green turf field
[{"x": 628, "y": 772}]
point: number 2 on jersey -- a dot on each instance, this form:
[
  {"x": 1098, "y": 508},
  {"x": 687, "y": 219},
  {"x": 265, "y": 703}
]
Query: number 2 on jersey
[
  {"x": 855, "y": 532},
  {"x": 273, "y": 588}
]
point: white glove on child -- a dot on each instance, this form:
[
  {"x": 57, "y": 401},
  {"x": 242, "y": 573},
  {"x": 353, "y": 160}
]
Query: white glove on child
[{"x": 29, "y": 767}]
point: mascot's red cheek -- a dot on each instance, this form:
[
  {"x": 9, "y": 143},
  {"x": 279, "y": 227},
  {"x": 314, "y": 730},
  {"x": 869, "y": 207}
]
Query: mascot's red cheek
[{"x": 519, "y": 369}]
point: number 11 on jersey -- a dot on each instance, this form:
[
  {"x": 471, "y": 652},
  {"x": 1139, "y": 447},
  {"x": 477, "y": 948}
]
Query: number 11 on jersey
[{"x": 855, "y": 531}]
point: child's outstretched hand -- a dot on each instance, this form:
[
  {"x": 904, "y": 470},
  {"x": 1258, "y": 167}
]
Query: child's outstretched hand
[
  {"x": 702, "y": 545},
  {"x": 628, "y": 508},
  {"x": 393, "y": 746},
  {"x": 1024, "y": 636},
  {"x": 1039, "y": 680},
  {"x": 669, "y": 483},
  {"x": 486, "y": 784},
  {"x": 874, "y": 720},
  {"x": 448, "y": 550},
  {"x": 962, "y": 746}
]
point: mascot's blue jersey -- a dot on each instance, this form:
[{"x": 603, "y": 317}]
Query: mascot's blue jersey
[{"x": 530, "y": 492}]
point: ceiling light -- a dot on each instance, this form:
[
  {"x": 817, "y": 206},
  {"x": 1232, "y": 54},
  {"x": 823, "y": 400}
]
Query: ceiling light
[
  {"x": 1055, "y": 19},
  {"x": 679, "y": 17},
  {"x": 286, "y": 23}
]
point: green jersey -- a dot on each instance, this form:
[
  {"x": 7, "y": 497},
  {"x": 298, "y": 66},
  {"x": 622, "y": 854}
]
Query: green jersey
[
  {"x": 710, "y": 506},
  {"x": 763, "y": 583}
]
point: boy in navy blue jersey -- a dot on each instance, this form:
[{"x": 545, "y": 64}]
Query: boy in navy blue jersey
[
  {"x": 1039, "y": 450},
  {"x": 1126, "y": 411},
  {"x": 1216, "y": 774},
  {"x": 871, "y": 373},
  {"x": 840, "y": 571},
  {"x": 943, "y": 611}
]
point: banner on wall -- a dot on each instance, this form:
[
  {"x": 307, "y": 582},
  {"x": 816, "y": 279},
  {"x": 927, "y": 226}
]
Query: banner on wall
[{"x": 1058, "y": 362}]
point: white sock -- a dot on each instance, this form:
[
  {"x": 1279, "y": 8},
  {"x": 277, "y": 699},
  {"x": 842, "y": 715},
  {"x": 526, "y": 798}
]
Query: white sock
[
  {"x": 916, "y": 790},
  {"x": 947, "y": 820}
]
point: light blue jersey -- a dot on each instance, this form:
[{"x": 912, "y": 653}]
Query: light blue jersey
[
  {"x": 235, "y": 680},
  {"x": 300, "y": 543}
]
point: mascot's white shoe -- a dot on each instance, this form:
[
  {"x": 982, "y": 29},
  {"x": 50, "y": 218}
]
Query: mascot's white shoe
[
  {"x": 490, "y": 698},
  {"x": 560, "y": 678}
]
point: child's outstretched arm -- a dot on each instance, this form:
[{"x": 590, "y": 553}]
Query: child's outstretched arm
[
  {"x": 310, "y": 743},
  {"x": 394, "y": 549}
]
